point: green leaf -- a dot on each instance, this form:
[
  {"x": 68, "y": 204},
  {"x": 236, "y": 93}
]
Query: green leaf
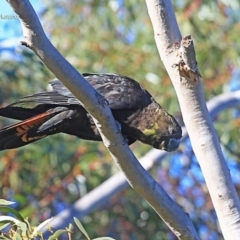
[
  {"x": 8, "y": 219},
  {"x": 5, "y": 202},
  {"x": 4, "y": 226},
  {"x": 17, "y": 236},
  {"x": 4, "y": 238},
  {"x": 104, "y": 238},
  {"x": 57, "y": 234},
  {"x": 12, "y": 211},
  {"x": 70, "y": 227},
  {"x": 23, "y": 226},
  {"x": 40, "y": 226},
  {"x": 81, "y": 228}
]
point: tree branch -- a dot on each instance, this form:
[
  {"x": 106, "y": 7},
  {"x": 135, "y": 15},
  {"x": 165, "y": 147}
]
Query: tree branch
[
  {"x": 188, "y": 86},
  {"x": 99, "y": 196},
  {"x": 96, "y": 105}
]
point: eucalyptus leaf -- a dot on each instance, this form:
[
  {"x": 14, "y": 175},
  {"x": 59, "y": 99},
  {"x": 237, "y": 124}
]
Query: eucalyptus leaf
[
  {"x": 57, "y": 234},
  {"x": 5, "y": 202},
  {"x": 104, "y": 238},
  {"x": 81, "y": 228},
  {"x": 40, "y": 226},
  {"x": 4, "y": 226},
  {"x": 12, "y": 211}
]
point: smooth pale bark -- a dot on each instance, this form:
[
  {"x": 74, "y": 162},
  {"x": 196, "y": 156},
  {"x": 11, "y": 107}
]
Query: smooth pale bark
[
  {"x": 178, "y": 57},
  {"x": 96, "y": 105}
]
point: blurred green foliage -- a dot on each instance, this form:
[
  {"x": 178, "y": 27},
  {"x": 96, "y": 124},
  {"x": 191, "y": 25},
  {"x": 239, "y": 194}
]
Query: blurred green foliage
[
  {"x": 16, "y": 227},
  {"x": 116, "y": 36}
]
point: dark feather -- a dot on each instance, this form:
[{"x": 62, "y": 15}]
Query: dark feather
[{"x": 56, "y": 111}]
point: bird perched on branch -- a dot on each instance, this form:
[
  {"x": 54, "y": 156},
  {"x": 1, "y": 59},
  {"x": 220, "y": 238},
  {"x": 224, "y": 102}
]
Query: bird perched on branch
[{"x": 58, "y": 111}]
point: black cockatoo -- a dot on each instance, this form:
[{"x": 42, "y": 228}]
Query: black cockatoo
[{"x": 58, "y": 111}]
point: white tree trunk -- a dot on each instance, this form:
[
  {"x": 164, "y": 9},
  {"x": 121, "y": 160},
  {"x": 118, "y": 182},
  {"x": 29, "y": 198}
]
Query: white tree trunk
[{"x": 178, "y": 57}]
